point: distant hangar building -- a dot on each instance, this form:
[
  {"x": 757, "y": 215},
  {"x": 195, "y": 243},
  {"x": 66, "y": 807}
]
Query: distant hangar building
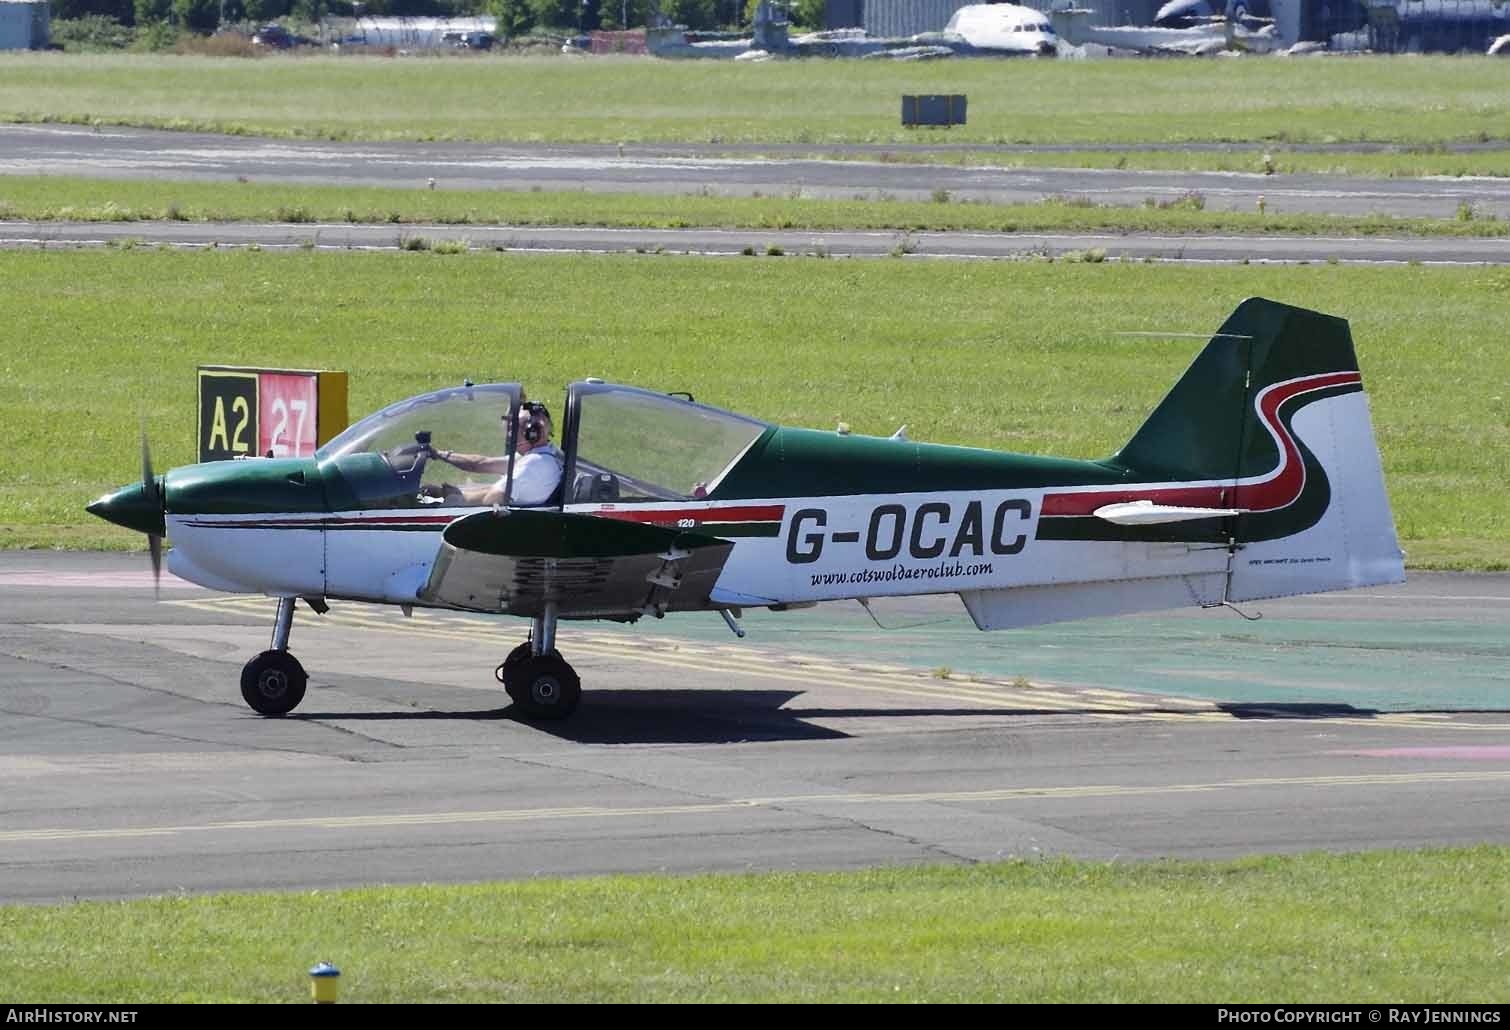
[
  {"x": 25, "y": 25},
  {"x": 901, "y": 18}
]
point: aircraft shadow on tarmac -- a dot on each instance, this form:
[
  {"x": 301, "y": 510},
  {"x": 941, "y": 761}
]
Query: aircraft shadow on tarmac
[
  {"x": 1322, "y": 710},
  {"x": 643, "y": 717},
  {"x": 1294, "y": 710},
  {"x": 735, "y": 716}
]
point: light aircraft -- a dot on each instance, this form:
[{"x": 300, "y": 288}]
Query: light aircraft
[
  {"x": 1439, "y": 26},
  {"x": 1257, "y": 476},
  {"x": 1184, "y": 14},
  {"x": 1408, "y": 26}
]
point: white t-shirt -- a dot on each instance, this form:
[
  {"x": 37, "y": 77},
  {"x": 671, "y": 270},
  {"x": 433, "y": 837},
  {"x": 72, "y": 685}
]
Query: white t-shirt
[{"x": 536, "y": 475}]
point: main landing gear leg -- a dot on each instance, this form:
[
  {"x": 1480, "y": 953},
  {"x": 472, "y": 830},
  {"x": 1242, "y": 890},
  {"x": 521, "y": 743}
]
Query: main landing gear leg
[
  {"x": 537, "y": 678},
  {"x": 273, "y": 682}
]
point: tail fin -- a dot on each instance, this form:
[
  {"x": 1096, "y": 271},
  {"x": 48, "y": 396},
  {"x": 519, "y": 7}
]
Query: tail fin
[
  {"x": 1271, "y": 420},
  {"x": 1206, "y": 428}
]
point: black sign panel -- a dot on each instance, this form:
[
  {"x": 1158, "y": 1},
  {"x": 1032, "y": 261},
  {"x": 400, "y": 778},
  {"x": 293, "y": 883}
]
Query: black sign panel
[
  {"x": 938, "y": 109},
  {"x": 227, "y": 415}
]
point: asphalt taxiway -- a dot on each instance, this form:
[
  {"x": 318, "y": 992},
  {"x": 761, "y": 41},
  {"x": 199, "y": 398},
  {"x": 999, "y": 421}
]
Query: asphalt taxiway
[
  {"x": 130, "y": 766},
  {"x": 833, "y": 243},
  {"x": 866, "y": 172},
  {"x": 714, "y": 169}
]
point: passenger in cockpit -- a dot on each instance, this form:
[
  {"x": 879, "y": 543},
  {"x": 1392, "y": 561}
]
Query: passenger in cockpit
[{"x": 537, "y": 464}]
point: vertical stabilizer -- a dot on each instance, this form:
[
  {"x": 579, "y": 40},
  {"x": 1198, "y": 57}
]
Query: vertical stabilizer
[{"x": 1271, "y": 420}]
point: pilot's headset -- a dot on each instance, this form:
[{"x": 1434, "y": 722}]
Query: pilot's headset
[{"x": 535, "y": 427}]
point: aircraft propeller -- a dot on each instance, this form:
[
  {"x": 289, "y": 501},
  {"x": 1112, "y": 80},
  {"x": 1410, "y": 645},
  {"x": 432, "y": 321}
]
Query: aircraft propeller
[
  {"x": 141, "y": 507},
  {"x": 152, "y": 492}
]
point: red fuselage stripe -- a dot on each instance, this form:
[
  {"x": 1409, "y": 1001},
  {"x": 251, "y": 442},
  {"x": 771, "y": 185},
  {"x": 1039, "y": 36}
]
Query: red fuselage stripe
[
  {"x": 327, "y": 521},
  {"x": 1263, "y": 495},
  {"x": 702, "y": 516}
]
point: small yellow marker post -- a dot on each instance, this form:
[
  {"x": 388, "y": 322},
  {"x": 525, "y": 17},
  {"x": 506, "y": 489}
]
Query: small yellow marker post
[{"x": 324, "y": 983}]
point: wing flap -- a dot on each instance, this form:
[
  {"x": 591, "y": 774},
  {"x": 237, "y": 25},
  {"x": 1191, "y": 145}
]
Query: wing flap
[{"x": 514, "y": 561}]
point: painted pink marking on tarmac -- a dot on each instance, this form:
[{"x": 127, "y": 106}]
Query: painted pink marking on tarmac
[
  {"x": 93, "y": 580},
  {"x": 1470, "y": 751}
]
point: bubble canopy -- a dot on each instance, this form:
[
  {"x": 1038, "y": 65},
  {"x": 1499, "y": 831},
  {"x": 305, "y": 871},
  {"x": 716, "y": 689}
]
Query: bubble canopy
[
  {"x": 621, "y": 444},
  {"x": 386, "y": 459},
  {"x": 462, "y": 418},
  {"x": 652, "y": 446}
]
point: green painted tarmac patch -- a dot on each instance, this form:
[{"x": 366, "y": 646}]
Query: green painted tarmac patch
[
  {"x": 1425, "y": 664},
  {"x": 1430, "y": 926}
]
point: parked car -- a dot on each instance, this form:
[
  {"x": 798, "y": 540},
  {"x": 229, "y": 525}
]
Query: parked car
[
  {"x": 467, "y": 40},
  {"x": 279, "y": 38}
]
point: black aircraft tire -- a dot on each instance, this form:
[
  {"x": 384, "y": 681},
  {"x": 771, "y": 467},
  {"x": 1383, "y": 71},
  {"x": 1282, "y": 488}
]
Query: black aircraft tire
[
  {"x": 273, "y": 683},
  {"x": 544, "y": 687},
  {"x": 519, "y": 654}
]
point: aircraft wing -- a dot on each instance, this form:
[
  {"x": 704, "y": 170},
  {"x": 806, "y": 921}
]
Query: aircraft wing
[{"x": 515, "y": 560}]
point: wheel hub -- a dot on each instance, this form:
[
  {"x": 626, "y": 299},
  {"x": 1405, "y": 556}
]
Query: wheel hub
[
  {"x": 546, "y": 690},
  {"x": 273, "y": 683}
]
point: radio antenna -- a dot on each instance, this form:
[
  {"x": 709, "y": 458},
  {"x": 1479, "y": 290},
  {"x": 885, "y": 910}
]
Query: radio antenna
[{"x": 1193, "y": 336}]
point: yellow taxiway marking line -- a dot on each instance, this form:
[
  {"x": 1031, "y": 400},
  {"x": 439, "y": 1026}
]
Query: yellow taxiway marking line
[
  {"x": 515, "y": 815},
  {"x": 916, "y": 686},
  {"x": 820, "y": 671}
]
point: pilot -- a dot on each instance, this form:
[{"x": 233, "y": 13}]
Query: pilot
[{"x": 537, "y": 464}]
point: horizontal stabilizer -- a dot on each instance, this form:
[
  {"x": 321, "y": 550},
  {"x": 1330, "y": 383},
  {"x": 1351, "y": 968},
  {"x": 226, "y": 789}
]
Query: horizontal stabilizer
[
  {"x": 1061, "y": 602},
  {"x": 1147, "y": 513}
]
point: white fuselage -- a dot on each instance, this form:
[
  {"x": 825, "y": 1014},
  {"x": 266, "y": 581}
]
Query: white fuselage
[
  {"x": 1007, "y": 27},
  {"x": 983, "y": 544}
]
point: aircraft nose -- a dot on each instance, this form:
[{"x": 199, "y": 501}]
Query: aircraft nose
[{"x": 134, "y": 507}]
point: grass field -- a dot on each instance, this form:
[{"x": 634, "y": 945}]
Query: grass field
[
  {"x": 1423, "y": 100},
  {"x": 1020, "y": 356},
  {"x": 1387, "y": 927},
  {"x": 102, "y": 200}
]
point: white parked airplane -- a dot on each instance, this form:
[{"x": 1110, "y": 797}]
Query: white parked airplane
[{"x": 1009, "y": 28}]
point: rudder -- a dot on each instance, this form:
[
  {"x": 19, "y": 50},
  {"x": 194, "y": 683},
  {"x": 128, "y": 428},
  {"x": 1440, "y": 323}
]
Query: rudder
[{"x": 1271, "y": 420}]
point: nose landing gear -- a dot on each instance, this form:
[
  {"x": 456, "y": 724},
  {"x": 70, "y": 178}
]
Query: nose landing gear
[{"x": 273, "y": 682}]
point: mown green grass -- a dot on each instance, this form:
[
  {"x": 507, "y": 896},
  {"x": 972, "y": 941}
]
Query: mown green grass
[
  {"x": 1019, "y": 356},
  {"x": 103, "y": 200},
  {"x": 1420, "y": 100},
  {"x": 1386, "y": 927}
]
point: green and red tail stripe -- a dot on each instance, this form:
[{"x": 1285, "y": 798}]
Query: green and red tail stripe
[{"x": 1277, "y": 489}]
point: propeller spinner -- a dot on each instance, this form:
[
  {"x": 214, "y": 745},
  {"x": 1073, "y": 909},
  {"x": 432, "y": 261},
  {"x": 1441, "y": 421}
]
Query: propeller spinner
[{"x": 139, "y": 507}]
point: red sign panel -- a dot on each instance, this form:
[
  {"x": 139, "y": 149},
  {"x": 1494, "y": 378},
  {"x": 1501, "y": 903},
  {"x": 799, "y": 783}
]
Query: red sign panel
[{"x": 286, "y": 416}]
